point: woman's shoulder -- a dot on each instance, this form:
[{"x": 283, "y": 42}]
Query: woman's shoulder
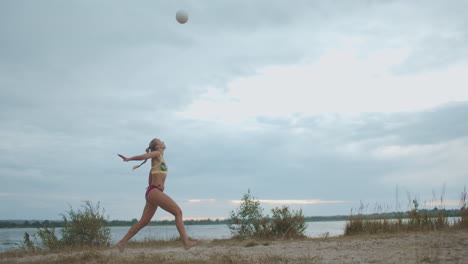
[{"x": 157, "y": 155}]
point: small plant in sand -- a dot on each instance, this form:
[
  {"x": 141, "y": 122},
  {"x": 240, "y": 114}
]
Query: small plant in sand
[
  {"x": 48, "y": 238},
  {"x": 27, "y": 244},
  {"x": 463, "y": 222}
]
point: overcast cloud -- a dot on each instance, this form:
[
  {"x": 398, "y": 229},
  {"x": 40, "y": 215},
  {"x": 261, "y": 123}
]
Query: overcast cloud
[{"x": 314, "y": 104}]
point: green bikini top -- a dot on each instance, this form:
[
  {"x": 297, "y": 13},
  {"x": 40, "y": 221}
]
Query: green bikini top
[{"x": 160, "y": 168}]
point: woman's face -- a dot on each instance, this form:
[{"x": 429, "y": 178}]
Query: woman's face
[{"x": 160, "y": 143}]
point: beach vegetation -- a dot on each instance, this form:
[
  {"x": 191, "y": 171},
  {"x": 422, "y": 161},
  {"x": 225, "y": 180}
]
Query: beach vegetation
[
  {"x": 286, "y": 223},
  {"x": 248, "y": 221},
  {"x": 415, "y": 219},
  {"x": 84, "y": 227},
  {"x": 463, "y": 221}
]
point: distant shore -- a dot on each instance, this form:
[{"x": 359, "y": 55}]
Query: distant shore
[
  {"x": 58, "y": 223},
  {"x": 208, "y": 221}
]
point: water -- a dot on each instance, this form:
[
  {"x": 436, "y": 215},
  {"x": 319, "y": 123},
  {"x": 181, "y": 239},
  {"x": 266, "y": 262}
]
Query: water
[{"x": 11, "y": 238}]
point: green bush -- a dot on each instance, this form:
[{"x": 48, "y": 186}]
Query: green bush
[
  {"x": 48, "y": 238},
  {"x": 27, "y": 244},
  {"x": 86, "y": 227},
  {"x": 287, "y": 224},
  {"x": 248, "y": 221}
]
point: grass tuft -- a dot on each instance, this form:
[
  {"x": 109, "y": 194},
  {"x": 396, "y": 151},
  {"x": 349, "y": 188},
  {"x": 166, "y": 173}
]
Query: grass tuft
[{"x": 412, "y": 221}]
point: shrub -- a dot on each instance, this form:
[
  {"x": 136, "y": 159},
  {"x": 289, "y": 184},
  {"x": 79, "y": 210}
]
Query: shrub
[
  {"x": 86, "y": 227},
  {"x": 248, "y": 221},
  {"x": 287, "y": 224},
  {"x": 27, "y": 244},
  {"x": 48, "y": 238}
]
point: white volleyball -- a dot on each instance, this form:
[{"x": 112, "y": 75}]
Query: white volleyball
[{"x": 181, "y": 16}]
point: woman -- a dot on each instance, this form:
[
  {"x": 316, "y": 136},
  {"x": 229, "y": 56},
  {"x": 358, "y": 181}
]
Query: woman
[{"x": 154, "y": 194}]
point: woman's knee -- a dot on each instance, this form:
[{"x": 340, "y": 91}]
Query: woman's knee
[
  {"x": 143, "y": 222},
  {"x": 178, "y": 212}
]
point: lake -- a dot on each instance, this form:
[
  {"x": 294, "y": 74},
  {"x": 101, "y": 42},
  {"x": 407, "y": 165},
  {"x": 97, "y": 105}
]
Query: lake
[{"x": 11, "y": 238}]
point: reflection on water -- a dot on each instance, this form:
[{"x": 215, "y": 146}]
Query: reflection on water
[{"x": 11, "y": 238}]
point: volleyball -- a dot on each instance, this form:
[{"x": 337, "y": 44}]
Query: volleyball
[{"x": 181, "y": 16}]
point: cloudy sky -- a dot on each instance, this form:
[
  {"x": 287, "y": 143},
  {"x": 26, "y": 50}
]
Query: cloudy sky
[{"x": 319, "y": 105}]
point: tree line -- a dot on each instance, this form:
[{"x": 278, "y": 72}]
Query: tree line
[{"x": 58, "y": 223}]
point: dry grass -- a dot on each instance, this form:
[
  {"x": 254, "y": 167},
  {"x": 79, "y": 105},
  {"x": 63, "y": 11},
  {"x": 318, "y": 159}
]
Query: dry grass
[
  {"x": 154, "y": 244},
  {"x": 359, "y": 224},
  {"x": 463, "y": 222},
  {"x": 415, "y": 220},
  {"x": 102, "y": 256},
  {"x": 417, "y": 247},
  {"x": 216, "y": 258},
  {"x": 19, "y": 253}
]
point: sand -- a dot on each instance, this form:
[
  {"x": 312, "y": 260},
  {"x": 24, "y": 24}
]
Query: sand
[{"x": 427, "y": 247}]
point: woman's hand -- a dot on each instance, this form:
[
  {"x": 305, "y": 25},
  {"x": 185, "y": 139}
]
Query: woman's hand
[{"x": 123, "y": 157}]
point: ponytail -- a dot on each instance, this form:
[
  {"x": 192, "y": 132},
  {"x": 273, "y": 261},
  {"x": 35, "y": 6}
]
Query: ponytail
[{"x": 148, "y": 150}]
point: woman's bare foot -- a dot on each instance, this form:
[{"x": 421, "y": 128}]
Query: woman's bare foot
[
  {"x": 190, "y": 245},
  {"x": 120, "y": 246}
]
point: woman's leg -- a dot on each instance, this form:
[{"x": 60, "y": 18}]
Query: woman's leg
[
  {"x": 148, "y": 213},
  {"x": 165, "y": 202}
]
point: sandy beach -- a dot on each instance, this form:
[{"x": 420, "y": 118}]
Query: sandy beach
[{"x": 427, "y": 247}]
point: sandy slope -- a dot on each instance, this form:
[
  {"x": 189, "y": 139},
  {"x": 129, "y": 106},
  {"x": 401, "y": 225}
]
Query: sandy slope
[{"x": 431, "y": 247}]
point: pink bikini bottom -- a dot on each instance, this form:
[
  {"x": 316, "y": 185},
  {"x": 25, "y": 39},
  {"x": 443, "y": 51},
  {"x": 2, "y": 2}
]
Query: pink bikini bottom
[{"x": 151, "y": 187}]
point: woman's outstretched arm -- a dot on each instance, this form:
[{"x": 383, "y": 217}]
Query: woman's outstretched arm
[{"x": 146, "y": 156}]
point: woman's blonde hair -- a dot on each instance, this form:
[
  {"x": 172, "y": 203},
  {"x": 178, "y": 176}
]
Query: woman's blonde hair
[{"x": 150, "y": 148}]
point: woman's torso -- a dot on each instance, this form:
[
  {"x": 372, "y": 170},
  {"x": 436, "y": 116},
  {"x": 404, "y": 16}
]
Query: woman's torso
[{"x": 158, "y": 172}]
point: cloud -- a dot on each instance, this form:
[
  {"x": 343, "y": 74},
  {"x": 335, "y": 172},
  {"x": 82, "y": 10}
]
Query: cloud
[
  {"x": 202, "y": 201},
  {"x": 338, "y": 82},
  {"x": 41, "y": 196},
  {"x": 22, "y": 174},
  {"x": 313, "y": 99},
  {"x": 443, "y": 203},
  {"x": 303, "y": 202}
]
